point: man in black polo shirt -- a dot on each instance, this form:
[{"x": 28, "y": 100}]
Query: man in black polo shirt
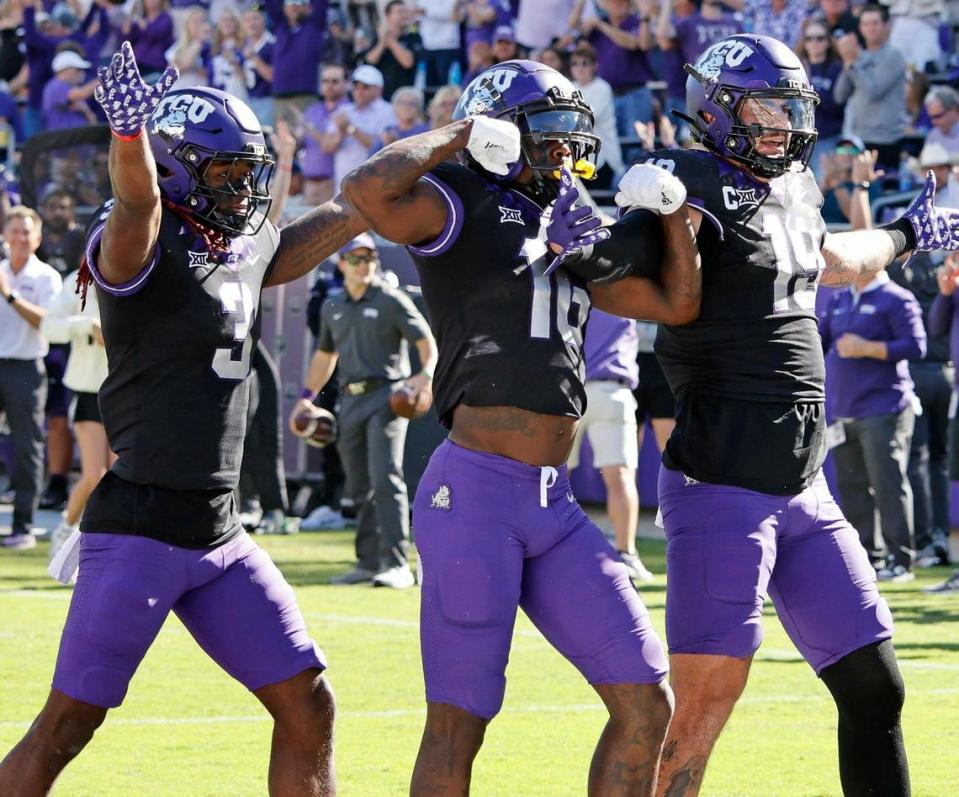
[{"x": 367, "y": 329}]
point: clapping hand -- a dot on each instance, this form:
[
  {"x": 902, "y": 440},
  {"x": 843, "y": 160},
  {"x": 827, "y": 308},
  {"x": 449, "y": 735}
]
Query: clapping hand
[{"x": 126, "y": 100}]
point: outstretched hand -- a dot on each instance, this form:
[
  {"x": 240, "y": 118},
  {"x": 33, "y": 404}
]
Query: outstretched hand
[
  {"x": 935, "y": 228},
  {"x": 125, "y": 98},
  {"x": 571, "y": 228}
]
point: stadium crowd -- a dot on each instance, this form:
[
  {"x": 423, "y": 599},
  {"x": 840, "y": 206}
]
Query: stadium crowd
[{"x": 337, "y": 81}]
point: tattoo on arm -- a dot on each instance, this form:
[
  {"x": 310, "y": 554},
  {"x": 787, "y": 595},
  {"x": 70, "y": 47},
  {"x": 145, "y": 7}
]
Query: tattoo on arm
[
  {"x": 850, "y": 254},
  {"x": 308, "y": 241}
]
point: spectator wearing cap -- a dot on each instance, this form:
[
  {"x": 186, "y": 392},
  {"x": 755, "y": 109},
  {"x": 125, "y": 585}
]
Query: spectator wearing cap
[
  {"x": 822, "y": 63},
  {"x": 396, "y": 49},
  {"x": 65, "y": 97},
  {"x": 368, "y": 329},
  {"x": 872, "y": 85},
  {"x": 838, "y": 183},
  {"x": 439, "y": 24},
  {"x": 318, "y": 146},
  {"x": 43, "y": 36},
  {"x": 299, "y": 27},
  {"x": 942, "y": 106},
  {"x": 151, "y": 34},
  {"x": 693, "y": 34},
  {"x": 599, "y": 96},
  {"x": 352, "y": 130},
  {"x": 620, "y": 46},
  {"x": 505, "y": 47},
  {"x": 934, "y": 377},
  {"x": 258, "y": 65}
]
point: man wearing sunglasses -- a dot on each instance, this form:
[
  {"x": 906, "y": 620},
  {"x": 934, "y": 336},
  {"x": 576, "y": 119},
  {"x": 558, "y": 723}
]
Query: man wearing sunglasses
[
  {"x": 367, "y": 329},
  {"x": 942, "y": 105}
]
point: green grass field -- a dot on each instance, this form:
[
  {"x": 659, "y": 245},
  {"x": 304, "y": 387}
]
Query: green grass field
[{"x": 187, "y": 730}]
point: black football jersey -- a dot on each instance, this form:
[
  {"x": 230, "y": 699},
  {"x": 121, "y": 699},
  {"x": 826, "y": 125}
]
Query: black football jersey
[
  {"x": 179, "y": 342},
  {"x": 748, "y": 366},
  {"x": 508, "y": 335}
]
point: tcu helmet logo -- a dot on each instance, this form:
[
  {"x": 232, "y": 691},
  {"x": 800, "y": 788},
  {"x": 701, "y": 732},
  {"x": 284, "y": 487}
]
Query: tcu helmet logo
[
  {"x": 725, "y": 53},
  {"x": 481, "y": 98},
  {"x": 173, "y": 112}
]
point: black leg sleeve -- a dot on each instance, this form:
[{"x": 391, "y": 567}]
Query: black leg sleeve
[{"x": 869, "y": 694}]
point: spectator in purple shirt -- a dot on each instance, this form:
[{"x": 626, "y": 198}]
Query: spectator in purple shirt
[
  {"x": 318, "y": 157},
  {"x": 299, "y": 27},
  {"x": 621, "y": 60},
  {"x": 692, "y": 35},
  {"x": 410, "y": 117},
  {"x": 479, "y": 58},
  {"x": 258, "y": 65},
  {"x": 610, "y": 350},
  {"x": 870, "y": 331},
  {"x": 781, "y": 19},
  {"x": 43, "y": 35},
  {"x": 64, "y": 97},
  {"x": 823, "y": 66},
  {"x": 481, "y": 18},
  {"x": 505, "y": 47},
  {"x": 150, "y": 30}
]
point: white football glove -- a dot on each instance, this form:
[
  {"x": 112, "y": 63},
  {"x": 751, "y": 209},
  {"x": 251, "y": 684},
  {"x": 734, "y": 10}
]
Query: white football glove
[
  {"x": 650, "y": 187},
  {"x": 495, "y": 145}
]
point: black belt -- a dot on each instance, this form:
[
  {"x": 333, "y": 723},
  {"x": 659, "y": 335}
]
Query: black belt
[{"x": 364, "y": 386}]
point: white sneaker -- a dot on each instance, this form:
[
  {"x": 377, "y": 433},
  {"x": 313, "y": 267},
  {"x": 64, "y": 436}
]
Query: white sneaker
[
  {"x": 635, "y": 567},
  {"x": 358, "y": 575},
  {"x": 323, "y": 518},
  {"x": 948, "y": 587},
  {"x": 897, "y": 574},
  {"x": 59, "y": 536},
  {"x": 399, "y": 577}
]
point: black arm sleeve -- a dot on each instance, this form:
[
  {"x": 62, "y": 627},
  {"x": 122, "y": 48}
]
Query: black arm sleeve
[{"x": 634, "y": 248}]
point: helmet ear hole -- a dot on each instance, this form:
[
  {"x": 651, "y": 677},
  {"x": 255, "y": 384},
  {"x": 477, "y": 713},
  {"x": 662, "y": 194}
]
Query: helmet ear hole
[{"x": 163, "y": 171}]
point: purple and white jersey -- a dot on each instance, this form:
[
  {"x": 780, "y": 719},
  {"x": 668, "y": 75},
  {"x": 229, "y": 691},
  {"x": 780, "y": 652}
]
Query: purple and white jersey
[{"x": 695, "y": 34}]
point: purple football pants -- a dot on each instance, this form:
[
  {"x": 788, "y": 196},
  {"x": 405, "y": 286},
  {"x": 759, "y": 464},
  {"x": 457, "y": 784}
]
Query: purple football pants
[
  {"x": 493, "y": 534},
  {"x": 728, "y": 547},
  {"x": 232, "y": 599}
]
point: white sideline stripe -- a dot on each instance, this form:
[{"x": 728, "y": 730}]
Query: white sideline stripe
[{"x": 578, "y": 708}]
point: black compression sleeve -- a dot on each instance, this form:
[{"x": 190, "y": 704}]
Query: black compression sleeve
[{"x": 902, "y": 234}]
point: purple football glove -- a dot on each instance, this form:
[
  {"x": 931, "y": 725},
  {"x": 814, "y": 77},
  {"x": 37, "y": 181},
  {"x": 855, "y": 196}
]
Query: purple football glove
[
  {"x": 571, "y": 228},
  {"x": 935, "y": 228},
  {"x": 126, "y": 100}
]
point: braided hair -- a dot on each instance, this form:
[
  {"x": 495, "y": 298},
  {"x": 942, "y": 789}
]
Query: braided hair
[{"x": 216, "y": 242}]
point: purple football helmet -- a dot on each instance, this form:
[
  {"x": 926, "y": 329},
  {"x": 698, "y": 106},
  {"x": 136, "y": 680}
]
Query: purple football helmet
[
  {"x": 545, "y": 107},
  {"x": 193, "y": 128},
  {"x": 752, "y": 86}
]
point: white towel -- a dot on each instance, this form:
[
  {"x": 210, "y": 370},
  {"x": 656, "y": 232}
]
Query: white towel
[{"x": 65, "y": 564}]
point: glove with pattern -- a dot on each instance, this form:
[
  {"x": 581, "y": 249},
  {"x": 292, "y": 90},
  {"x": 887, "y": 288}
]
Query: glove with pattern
[
  {"x": 126, "y": 100},
  {"x": 935, "y": 228},
  {"x": 650, "y": 187},
  {"x": 571, "y": 228}
]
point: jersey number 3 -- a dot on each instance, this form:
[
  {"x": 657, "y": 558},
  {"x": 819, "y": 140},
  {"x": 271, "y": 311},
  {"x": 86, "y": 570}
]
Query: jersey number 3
[{"x": 237, "y": 302}]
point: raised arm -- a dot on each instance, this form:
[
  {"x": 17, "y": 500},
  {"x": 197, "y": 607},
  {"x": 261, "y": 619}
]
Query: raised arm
[
  {"x": 922, "y": 228},
  {"x": 388, "y": 190},
  {"x": 130, "y": 234}
]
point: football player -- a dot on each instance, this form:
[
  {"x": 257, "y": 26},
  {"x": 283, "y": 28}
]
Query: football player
[
  {"x": 746, "y": 508},
  {"x": 179, "y": 257},
  {"x": 497, "y": 526}
]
